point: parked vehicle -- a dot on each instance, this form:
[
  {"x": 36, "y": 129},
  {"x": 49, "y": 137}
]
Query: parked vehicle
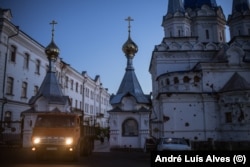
[
  {"x": 150, "y": 144},
  {"x": 62, "y": 133},
  {"x": 173, "y": 144}
]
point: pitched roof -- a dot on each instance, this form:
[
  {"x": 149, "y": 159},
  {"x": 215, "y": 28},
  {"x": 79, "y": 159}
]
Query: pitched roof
[
  {"x": 240, "y": 6},
  {"x": 50, "y": 90},
  {"x": 130, "y": 86},
  {"x": 236, "y": 83},
  {"x": 175, "y": 6},
  {"x": 198, "y": 3},
  {"x": 118, "y": 109}
]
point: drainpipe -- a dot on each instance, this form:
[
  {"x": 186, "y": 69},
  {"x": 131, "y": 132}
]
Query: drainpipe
[
  {"x": 4, "y": 100},
  {"x": 83, "y": 97}
]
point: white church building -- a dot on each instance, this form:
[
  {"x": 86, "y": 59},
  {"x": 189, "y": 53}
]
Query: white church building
[
  {"x": 201, "y": 83},
  {"x": 129, "y": 118}
]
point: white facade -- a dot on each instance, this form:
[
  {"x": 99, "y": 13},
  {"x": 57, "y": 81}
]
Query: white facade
[
  {"x": 129, "y": 118},
  {"x": 200, "y": 82},
  {"x": 121, "y": 118},
  {"x": 23, "y": 66}
]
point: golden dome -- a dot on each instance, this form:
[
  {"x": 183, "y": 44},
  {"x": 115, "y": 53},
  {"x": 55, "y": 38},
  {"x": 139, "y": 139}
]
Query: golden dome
[
  {"x": 129, "y": 48},
  {"x": 52, "y": 51}
]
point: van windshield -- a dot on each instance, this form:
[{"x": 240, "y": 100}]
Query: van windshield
[{"x": 55, "y": 121}]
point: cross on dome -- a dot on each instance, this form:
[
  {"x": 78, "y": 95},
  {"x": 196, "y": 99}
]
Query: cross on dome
[
  {"x": 53, "y": 23},
  {"x": 129, "y": 19}
]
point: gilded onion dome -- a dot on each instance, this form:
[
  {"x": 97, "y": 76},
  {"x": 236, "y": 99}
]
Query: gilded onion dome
[
  {"x": 52, "y": 51},
  {"x": 129, "y": 48}
]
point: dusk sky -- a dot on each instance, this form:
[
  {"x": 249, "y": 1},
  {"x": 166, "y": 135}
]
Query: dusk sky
[{"x": 90, "y": 33}]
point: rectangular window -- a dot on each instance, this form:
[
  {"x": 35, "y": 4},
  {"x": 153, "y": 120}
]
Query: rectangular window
[
  {"x": 228, "y": 117},
  {"x": 91, "y": 95},
  {"x": 24, "y": 90},
  {"x": 91, "y": 109},
  {"x": 81, "y": 89},
  {"x": 207, "y": 34},
  {"x": 71, "y": 101},
  {"x": 76, "y": 86},
  {"x": 7, "y": 119},
  {"x": 13, "y": 53},
  {"x": 10, "y": 85},
  {"x": 66, "y": 81},
  {"x": 71, "y": 84},
  {"x": 26, "y": 61},
  {"x": 76, "y": 103},
  {"x": 86, "y": 108},
  {"x": 87, "y": 92},
  {"x": 38, "y": 64},
  {"x": 36, "y": 88}
]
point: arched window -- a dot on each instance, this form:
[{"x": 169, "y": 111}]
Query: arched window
[
  {"x": 196, "y": 79},
  {"x": 176, "y": 80},
  {"x": 130, "y": 127},
  {"x": 207, "y": 34},
  {"x": 167, "y": 82},
  {"x": 186, "y": 79}
]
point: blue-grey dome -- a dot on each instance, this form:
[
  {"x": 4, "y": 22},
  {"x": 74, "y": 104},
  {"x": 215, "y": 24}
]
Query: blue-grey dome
[
  {"x": 175, "y": 6},
  {"x": 240, "y": 6},
  {"x": 198, "y": 3}
]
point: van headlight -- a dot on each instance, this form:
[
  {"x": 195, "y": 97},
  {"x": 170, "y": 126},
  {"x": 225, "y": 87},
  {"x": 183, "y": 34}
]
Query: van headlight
[
  {"x": 36, "y": 140},
  {"x": 68, "y": 140}
]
